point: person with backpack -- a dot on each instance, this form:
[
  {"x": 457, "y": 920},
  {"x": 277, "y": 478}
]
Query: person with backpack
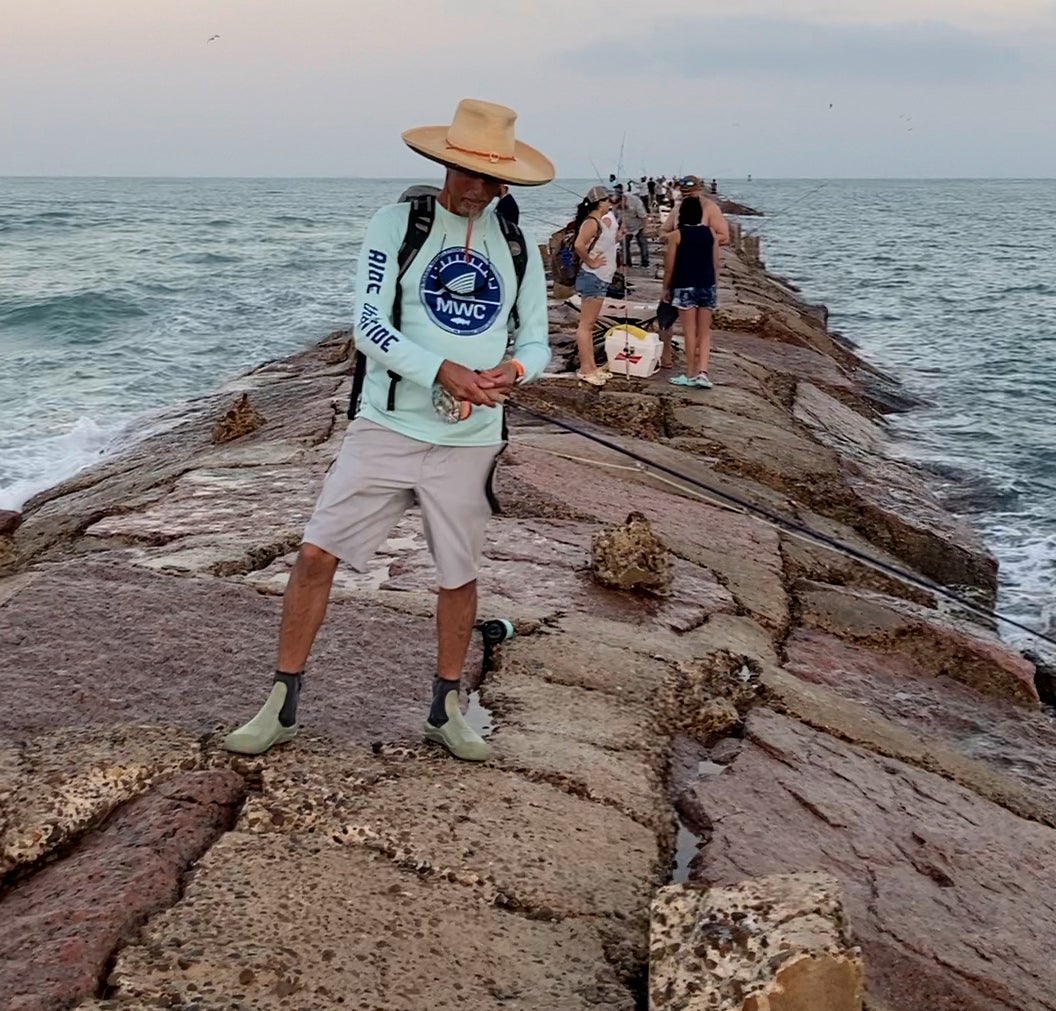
[
  {"x": 439, "y": 279},
  {"x": 595, "y": 230}
]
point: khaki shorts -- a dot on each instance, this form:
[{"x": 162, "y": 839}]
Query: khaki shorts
[{"x": 378, "y": 475}]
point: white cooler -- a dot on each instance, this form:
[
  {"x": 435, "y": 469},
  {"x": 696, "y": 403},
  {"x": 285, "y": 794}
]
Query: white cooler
[{"x": 632, "y": 351}]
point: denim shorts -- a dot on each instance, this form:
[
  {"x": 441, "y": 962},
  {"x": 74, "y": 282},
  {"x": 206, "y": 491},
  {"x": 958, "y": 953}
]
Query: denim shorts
[
  {"x": 695, "y": 298},
  {"x": 590, "y": 285}
]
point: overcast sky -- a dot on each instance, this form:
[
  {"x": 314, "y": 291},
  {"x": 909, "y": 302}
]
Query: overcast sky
[{"x": 825, "y": 88}]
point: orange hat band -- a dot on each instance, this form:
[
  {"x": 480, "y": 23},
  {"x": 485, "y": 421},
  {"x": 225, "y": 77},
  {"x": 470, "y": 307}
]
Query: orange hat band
[{"x": 492, "y": 156}]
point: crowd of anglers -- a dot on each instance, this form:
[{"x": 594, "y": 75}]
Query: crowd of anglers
[{"x": 610, "y": 223}]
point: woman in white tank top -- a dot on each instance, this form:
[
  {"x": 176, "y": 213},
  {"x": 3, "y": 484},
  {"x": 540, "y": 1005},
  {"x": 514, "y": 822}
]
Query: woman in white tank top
[{"x": 595, "y": 245}]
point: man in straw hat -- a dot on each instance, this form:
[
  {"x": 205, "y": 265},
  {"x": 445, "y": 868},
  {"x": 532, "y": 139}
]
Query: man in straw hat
[{"x": 440, "y": 326}]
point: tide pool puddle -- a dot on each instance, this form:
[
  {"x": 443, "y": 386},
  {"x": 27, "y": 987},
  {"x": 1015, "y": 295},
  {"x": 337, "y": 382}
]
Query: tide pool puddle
[
  {"x": 687, "y": 842},
  {"x": 479, "y": 716},
  {"x": 687, "y": 845}
]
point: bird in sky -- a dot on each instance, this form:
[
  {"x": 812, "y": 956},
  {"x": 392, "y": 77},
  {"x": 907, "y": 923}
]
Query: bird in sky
[{"x": 212, "y": 38}]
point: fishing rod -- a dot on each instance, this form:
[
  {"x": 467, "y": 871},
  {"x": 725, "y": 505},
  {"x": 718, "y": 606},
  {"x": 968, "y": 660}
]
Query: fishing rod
[
  {"x": 790, "y": 526},
  {"x": 578, "y": 196},
  {"x": 778, "y": 213},
  {"x": 798, "y": 199},
  {"x": 543, "y": 221}
]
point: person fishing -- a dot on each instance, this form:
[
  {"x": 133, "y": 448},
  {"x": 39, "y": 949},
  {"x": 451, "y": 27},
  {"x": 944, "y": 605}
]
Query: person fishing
[
  {"x": 632, "y": 216},
  {"x": 434, "y": 334}
]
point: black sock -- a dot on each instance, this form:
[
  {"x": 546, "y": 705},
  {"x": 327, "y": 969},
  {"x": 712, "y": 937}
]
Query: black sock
[
  {"x": 288, "y": 713},
  {"x": 438, "y": 710}
]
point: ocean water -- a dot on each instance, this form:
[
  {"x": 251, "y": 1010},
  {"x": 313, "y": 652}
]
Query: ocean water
[{"x": 121, "y": 297}]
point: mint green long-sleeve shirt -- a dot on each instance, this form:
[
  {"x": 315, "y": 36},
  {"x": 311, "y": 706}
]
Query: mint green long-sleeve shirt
[{"x": 456, "y": 303}]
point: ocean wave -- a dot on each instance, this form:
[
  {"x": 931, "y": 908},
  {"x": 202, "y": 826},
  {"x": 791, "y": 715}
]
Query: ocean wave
[
  {"x": 967, "y": 492},
  {"x": 44, "y": 462},
  {"x": 81, "y": 315},
  {"x": 293, "y": 219},
  {"x": 206, "y": 258},
  {"x": 41, "y": 219},
  {"x": 1026, "y": 547},
  {"x": 1040, "y": 288}
]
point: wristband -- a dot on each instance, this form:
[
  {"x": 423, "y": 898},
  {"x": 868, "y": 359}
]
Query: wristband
[{"x": 519, "y": 368}]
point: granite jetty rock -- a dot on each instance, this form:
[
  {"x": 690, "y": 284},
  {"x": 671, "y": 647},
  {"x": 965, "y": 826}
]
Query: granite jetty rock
[{"x": 865, "y": 775}]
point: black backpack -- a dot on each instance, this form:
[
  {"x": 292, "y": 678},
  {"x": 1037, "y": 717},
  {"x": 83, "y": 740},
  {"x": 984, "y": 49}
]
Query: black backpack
[{"x": 419, "y": 224}]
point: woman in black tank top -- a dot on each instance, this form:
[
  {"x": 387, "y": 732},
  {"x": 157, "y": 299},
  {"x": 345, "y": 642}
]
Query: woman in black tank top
[{"x": 690, "y": 275}]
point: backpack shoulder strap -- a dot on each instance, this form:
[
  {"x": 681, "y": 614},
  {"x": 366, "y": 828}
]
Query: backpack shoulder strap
[
  {"x": 419, "y": 224},
  {"x": 519, "y": 251},
  {"x": 597, "y": 235},
  {"x": 515, "y": 240}
]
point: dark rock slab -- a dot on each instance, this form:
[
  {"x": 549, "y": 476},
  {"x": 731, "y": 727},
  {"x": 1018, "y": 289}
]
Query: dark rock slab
[
  {"x": 805, "y": 326},
  {"x": 300, "y": 414},
  {"x": 1014, "y": 740},
  {"x": 898, "y": 510},
  {"x": 545, "y": 565},
  {"x": 951, "y": 897},
  {"x": 639, "y": 414},
  {"x": 733, "y": 207},
  {"x": 95, "y": 644},
  {"x": 772, "y": 453},
  {"x": 58, "y": 785},
  {"x": 886, "y": 394},
  {"x": 59, "y": 929},
  {"x": 940, "y": 643},
  {"x": 742, "y": 552},
  {"x": 783, "y": 359}
]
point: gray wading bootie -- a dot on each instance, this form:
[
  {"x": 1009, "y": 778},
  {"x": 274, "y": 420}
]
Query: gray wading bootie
[
  {"x": 457, "y": 735},
  {"x": 264, "y": 730}
]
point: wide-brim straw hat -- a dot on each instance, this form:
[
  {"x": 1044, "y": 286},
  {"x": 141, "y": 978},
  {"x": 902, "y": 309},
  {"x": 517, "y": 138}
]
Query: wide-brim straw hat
[{"x": 480, "y": 139}]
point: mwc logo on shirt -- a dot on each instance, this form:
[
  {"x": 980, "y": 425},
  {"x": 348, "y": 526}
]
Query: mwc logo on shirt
[{"x": 462, "y": 293}]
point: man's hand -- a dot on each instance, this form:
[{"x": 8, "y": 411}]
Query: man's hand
[
  {"x": 504, "y": 376},
  {"x": 465, "y": 384}
]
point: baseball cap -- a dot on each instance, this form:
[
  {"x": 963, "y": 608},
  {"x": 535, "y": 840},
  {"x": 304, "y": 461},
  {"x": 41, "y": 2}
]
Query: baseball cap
[
  {"x": 690, "y": 183},
  {"x": 598, "y": 193}
]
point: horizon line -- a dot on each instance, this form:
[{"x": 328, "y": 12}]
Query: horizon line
[{"x": 412, "y": 178}]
